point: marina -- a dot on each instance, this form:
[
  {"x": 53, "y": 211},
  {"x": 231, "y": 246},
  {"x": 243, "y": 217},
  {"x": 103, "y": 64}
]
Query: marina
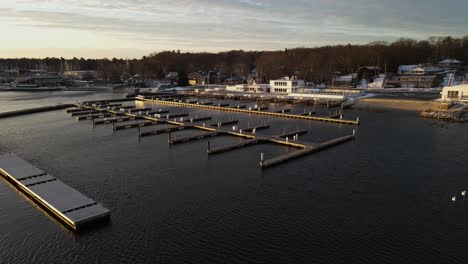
[
  {"x": 250, "y": 111},
  {"x": 249, "y": 133}
]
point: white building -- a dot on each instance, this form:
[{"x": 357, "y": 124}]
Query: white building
[
  {"x": 249, "y": 88},
  {"x": 457, "y": 93},
  {"x": 286, "y": 85}
]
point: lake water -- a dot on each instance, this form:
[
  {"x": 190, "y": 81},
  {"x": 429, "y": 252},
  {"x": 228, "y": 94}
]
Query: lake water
[{"x": 384, "y": 198}]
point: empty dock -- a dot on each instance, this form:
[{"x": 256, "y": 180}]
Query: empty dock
[
  {"x": 246, "y": 111},
  {"x": 293, "y": 133},
  {"x": 225, "y": 123},
  {"x": 112, "y": 120},
  {"x": 248, "y": 142},
  {"x": 60, "y": 200},
  {"x": 308, "y": 150},
  {"x": 94, "y": 116},
  {"x": 193, "y": 138},
  {"x": 173, "y": 115},
  {"x": 249, "y": 133},
  {"x": 135, "y": 125},
  {"x": 197, "y": 119},
  {"x": 252, "y": 128},
  {"x": 162, "y": 131}
]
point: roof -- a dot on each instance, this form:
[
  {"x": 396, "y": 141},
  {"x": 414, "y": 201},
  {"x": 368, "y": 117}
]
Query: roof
[
  {"x": 451, "y": 61},
  {"x": 432, "y": 69},
  {"x": 372, "y": 68},
  {"x": 407, "y": 67}
]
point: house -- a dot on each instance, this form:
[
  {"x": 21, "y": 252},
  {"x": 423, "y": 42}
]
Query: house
[
  {"x": 286, "y": 85},
  {"x": 420, "y": 70},
  {"x": 458, "y": 93},
  {"x": 196, "y": 78},
  {"x": 345, "y": 80},
  {"x": 44, "y": 79},
  {"x": 84, "y": 75},
  {"x": 450, "y": 63},
  {"x": 173, "y": 77},
  {"x": 409, "y": 69},
  {"x": 368, "y": 72},
  {"x": 233, "y": 80}
]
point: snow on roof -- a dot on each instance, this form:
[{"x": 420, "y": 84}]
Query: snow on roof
[
  {"x": 344, "y": 78},
  {"x": 407, "y": 67},
  {"x": 450, "y": 61},
  {"x": 370, "y": 67},
  {"x": 432, "y": 69}
]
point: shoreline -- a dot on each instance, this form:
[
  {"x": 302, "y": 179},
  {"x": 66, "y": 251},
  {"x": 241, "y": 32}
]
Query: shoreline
[{"x": 411, "y": 105}]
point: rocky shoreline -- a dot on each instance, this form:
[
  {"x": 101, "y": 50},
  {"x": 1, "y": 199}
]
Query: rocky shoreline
[{"x": 447, "y": 115}]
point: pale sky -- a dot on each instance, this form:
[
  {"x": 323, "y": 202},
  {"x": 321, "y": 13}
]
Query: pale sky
[{"x": 133, "y": 28}]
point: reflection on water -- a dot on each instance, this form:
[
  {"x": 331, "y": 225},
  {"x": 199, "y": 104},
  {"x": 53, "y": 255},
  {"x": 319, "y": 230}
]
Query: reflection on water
[{"x": 382, "y": 198}]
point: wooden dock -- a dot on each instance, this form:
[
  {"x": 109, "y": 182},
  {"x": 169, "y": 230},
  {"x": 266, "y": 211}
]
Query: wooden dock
[
  {"x": 193, "y": 138},
  {"x": 162, "y": 131},
  {"x": 224, "y": 123},
  {"x": 256, "y": 128},
  {"x": 217, "y": 129},
  {"x": 306, "y": 151},
  {"x": 60, "y": 200},
  {"x": 112, "y": 120},
  {"x": 233, "y": 109},
  {"x": 135, "y": 125},
  {"x": 89, "y": 112},
  {"x": 197, "y": 119},
  {"x": 248, "y": 142},
  {"x": 293, "y": 133},
  {"x": 94, "y": 116},
  {"x": 168, "y": 116}
]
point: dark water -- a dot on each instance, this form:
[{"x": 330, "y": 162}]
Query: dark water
[{"x": 384, "y": 198}]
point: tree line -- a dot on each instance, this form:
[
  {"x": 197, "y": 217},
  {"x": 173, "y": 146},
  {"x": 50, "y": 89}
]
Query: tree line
[{"x": 316, "y": 64}]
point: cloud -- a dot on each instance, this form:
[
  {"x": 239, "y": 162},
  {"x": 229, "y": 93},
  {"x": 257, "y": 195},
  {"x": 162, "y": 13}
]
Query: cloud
[{"x": 214, "y": 25}]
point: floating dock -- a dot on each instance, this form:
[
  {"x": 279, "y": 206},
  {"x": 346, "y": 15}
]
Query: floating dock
[
  {"x": 246, "y": 111},
  {"x": 308, "y": 150},
  {"x": 34, "y": 110},
  {"x": 217, "y": 129},
  {"x": 60, "y": 200}
]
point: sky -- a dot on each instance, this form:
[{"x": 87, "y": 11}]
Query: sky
[{"x": 134, "y": 28}]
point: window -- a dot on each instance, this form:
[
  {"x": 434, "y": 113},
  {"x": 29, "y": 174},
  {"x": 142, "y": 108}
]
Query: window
[{"x": 452, "y": 94}]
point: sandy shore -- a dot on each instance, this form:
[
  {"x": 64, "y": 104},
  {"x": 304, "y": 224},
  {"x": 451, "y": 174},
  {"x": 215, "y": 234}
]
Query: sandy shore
[{"x": 395, "y": 104}]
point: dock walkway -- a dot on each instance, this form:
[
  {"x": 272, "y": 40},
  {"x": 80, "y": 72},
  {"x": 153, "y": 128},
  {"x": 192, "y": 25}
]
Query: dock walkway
[
  {"x": 257, "y": 112},
  {"x": 60, "y": 200}
]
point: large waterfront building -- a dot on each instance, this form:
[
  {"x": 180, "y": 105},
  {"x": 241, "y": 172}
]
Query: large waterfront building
[
  {"x": 286, "y": 85},
  {"x": 457, "y": 93}
]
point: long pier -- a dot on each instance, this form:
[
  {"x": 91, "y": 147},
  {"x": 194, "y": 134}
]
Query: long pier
[
  {"x": 308, "y": 150},
  {"x": 34, "y": 110},
  {"x": 256, "y": 112},
  {"x": 225, "y": 123},
  {"x": 192, "y": 138},
  {"x": 60, "y": 200},
  {"x": 255, "y": 128},
  {"x": 293, "y": 133},
  {"x": 162, "y": 131},
  {"x": 112, "y": 120},
  {"x": 136, "y": 125},
  {"x": 217, "y": 150}
]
